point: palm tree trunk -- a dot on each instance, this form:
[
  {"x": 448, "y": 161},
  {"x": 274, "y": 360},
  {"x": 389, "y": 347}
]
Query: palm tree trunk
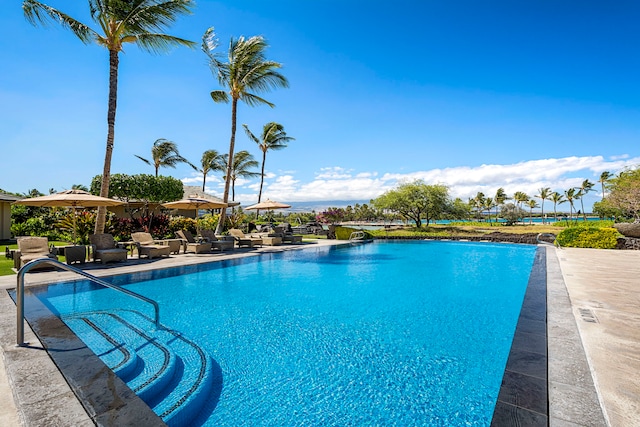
[
  {"x": 542, "y": 212},
  {"x": 101, "y": 218},
  {"x": 264, "y": 158},
  {"x": 204, "y": 180},
  {"x": 227, "y": 182}
]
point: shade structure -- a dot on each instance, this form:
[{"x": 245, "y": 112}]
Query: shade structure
[
  {"x": 70, "y": 199},
  {"x": 267, "y": 205},
  {"x": 196, "y": 203}
]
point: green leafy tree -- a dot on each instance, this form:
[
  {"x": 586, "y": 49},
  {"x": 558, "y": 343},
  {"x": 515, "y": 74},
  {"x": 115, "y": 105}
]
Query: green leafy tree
[
  {"x": 543, "y": 194},
  {"x": 141, "y": 188},
  {"x": 211, "y": 161},
  {"x": 499, "y": 199},
  {"x": 416, "y": 201},
  {"x": 625, "y": 193},
  {"x": 273, "y": 138},
  {"x": 245, "y": 73},
  {"x": 511, "y": 213},
  {"x": 164, "y": 153},
  {"x": 135, "y": 21},
  {"x": 520, "y": 198},
  {"x": 488, "y": 205},
  {"x": 241, "y": 167}
]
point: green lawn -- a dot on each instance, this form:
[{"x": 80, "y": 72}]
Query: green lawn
[{"x": 6, "y": 264}]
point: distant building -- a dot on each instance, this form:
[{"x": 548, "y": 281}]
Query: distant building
[{"x": 5, "y": 215}]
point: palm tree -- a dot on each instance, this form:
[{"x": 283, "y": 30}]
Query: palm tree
[
  {"x": 273, "y": 138},
  {"x": 532, "y": 204},
  {"x": 543, "y": 194},
  {"x": 488, "y": 205},
  {"x": 557, "y": 199},
  {"x": 605, "y": 177},
  {"x": 246, "y": 71},
  {"x": 135, "y": 21},
  {"x": 165, "y": 154},
  {"x": 585, "y": 188},
  {"x": 241, "y": 166},
  {"x": 570, "y": 195},
  {"x": 520, "y": 198},
  {"x": 478, "y": 203},
  {"x": 499, "y": 198},
  {"x": 211, "y": 161}
]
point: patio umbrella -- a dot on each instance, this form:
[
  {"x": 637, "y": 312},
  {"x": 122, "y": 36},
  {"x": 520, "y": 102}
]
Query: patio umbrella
[
  {"x": 267, "y": 205},
  {"x": 69, "y": 199},
  {"x": 196, "y": 203}
]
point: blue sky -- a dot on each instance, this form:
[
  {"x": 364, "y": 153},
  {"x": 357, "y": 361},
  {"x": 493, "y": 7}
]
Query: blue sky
[{"x": 473, "y": 95}]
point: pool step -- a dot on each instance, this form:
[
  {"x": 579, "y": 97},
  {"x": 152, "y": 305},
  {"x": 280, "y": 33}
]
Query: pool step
[{"x": 172, "y": 374}]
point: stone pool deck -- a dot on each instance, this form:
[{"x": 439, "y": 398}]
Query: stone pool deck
[{"x": 593, "y": 335}]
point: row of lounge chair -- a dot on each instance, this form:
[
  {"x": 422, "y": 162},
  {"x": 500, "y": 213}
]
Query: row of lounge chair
[{"x": 105, "y": 249}]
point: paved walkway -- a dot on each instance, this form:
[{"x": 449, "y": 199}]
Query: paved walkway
[{"x": 603, "y": 289}]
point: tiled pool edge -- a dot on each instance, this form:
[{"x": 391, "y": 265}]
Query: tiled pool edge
[{"x": 523, "y": 399}]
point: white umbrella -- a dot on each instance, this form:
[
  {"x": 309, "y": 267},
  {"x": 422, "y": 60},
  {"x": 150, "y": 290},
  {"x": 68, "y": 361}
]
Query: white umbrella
[{"x": 267, "y": 205}]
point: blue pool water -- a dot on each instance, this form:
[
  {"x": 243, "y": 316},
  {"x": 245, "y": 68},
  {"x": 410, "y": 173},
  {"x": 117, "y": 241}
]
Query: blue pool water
[{"x": 396, "y": 333}]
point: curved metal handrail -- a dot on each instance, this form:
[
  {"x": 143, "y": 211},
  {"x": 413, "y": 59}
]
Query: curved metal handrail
[
  {"x": 555, "y": 241},
  {"x": 357, "y": 235},
  {"x": 55, "y": 263}
]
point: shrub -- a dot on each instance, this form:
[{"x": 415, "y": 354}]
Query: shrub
[
  {"x": 182, "y": 223},
  {"x": 343, "y": 233},
  {"x": 588, "y": 237}
]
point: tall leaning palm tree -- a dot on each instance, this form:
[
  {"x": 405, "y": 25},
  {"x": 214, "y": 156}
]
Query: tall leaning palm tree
[
  {"x": 571, "y": 195},
  {"x": 134, "y": 21},
  {"x": 557, "y": 199},
  {"x": 164, "y": 153},
  {"x": 242, "y": 165},
  {"x": 605, "y": 177},
  {"x": 543, "y": 194},
  {"x": 211, "y": 161},
  {"x": 273, "y": 138},
  {"x": 245, "y": 73},
  {"x": 532, "y": 204},
  {"x": 584, "y": 189}
]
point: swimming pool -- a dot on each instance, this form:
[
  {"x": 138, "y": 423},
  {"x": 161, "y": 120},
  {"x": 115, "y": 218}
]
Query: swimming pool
[{"x": 398, "y": 333}]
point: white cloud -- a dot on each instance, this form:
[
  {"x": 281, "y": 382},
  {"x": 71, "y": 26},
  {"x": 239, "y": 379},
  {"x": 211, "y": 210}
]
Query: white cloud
[{"x": 337, "y": 183}]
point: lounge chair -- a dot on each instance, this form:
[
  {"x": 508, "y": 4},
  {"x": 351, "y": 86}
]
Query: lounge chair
[
  {"x": 105, "y": 249},
  {"x": 190, "y": 243},
  {"x": 30, "y": 248},
  {"x": 210, "y": 236},
  {"x": 146, "y": 245},
  {"x": 244, "y": 240},
  {"x": 287, "y": 236}
]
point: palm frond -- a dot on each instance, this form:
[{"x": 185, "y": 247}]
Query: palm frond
[
  {"x": 253, "y": 100},
  {"x": 36, "y": 12},
  {"x": 220, "y": 96},
  {"x": 144, "y": 160},
  {"x": 158, "y": 43}
]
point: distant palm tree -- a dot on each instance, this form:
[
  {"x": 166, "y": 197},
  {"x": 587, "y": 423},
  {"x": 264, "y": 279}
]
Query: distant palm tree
[
  {"x": 241, "y": 166},
  {"x": 79, "y": 187},
  {"x": 500, "y": 198},
  {"x": 605, "y": 177},
  {"x": 488, "y": 205},
  {"x": 273, "y": 138},
  {"x": 520, "y": 198},
  {"x": 585, "y": 188},
  {"x": 532, "y": 204},
  {"x": 164, "y": 153},
  {"x": 211, "y": 161},
  {"x": 478, "y": 203},
  {"x": 543, "y": 194},
  {"x": 557, "y": 199},
  {"x": 570, "y": 195},
  {"x": 135, "y": 21},
  {"x": 246, "y": 71}
]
